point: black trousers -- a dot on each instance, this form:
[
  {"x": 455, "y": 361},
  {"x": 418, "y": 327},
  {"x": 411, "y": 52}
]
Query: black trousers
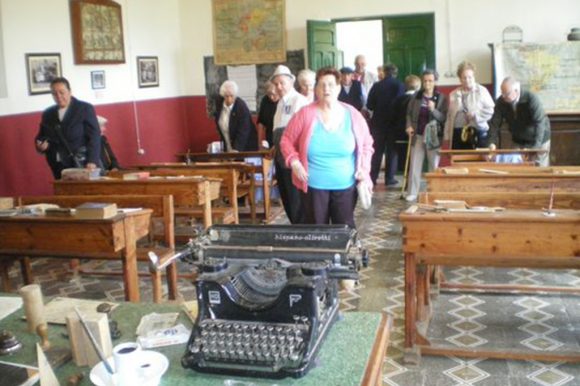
[
  {"x": 329, "y": 206},
  {"x": 290, "y": 195},
  {"x": 379, "y": 144}
]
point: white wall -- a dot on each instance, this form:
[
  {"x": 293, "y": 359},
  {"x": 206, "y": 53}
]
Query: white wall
[
  {"x": 41, "y": 26},
  {"x": 179, "y": 32}
]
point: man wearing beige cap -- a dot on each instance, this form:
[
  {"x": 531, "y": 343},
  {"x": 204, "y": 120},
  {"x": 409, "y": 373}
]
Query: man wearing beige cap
[{"x": 290, "y": 102}]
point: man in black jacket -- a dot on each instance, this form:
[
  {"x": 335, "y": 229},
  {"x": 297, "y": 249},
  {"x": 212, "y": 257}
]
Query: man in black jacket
[
  {"x": 525, "y": 117},
  {"x": 379, "y": 101},
  {"x": 69, "y": 134},
  {"x": 351, "y": 91}
]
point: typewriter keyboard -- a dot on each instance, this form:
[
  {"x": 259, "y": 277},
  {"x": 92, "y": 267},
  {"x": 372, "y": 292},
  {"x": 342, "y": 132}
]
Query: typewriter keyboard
[{"x": 272, "y": 345}]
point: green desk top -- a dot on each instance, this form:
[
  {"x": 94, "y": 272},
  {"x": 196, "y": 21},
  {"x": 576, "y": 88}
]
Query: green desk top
[{"x": 341, "y": 362}]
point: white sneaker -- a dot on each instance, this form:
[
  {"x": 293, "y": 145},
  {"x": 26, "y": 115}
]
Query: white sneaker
[{"x": 411, "y": 198}]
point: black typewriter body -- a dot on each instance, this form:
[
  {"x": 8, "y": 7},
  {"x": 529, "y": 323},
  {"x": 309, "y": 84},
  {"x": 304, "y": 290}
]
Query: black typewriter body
[{"x": 265, "y": 310}]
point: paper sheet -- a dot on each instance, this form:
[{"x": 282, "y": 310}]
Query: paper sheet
[
  {"x": 57, "y": 309},
  {"x": 8, "y": 305}
]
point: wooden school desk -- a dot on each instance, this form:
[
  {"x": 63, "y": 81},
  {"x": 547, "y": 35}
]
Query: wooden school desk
[
  {"x": 513, "y": 238},
  {"x": 188, "y": 193},
  {"x": 104, "y": 239},
  {"x": 266, "y": 157}
]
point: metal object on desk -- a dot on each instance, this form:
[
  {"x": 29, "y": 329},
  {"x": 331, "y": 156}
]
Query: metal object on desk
[{"x": 9, "y": 344}]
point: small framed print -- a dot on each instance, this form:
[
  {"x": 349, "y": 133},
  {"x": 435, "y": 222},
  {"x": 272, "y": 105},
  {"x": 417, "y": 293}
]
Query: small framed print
[
  {"x": 97, "y": 80},
  {"x": 148, "y": 71},
  {"x": 41, "y": 69}
]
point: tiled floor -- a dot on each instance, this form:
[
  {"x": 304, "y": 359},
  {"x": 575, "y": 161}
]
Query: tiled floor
[{"x": 549, "y": 323}]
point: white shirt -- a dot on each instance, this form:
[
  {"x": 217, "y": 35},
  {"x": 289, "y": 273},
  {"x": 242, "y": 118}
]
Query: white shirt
[
  {"x": 288, "y": 106},
  {"x": 224, "y": 124}
]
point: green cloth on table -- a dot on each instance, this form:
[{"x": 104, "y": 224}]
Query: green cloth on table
[{"x": 341, "y": 361}]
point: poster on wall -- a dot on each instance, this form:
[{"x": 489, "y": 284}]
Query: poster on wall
[
  {"x": 249, "y": 31},
  {"x": 97, "y": 31}
]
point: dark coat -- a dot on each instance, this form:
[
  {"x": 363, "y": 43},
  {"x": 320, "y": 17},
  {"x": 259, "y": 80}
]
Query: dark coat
[
  {"x": 243, "y": 134},
  {"x": 266, "y": 117},
  {"x": 108, "y": 158},
  {"x": 439, "y": 114},
  {"x": 355, "y": 97},
  {"x": 529, "y": 125},
  {"x": 79, "y": 128},
  {"x": 380, "y": 99}
]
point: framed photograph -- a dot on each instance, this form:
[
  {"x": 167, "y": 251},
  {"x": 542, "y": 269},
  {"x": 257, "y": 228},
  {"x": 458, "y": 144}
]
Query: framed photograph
[
  {"x": 97, "y": 79},
  {"x": 41, "y": 70},
  {"x": 148, "y": 71},
  {"x": 97, "y": 29}
]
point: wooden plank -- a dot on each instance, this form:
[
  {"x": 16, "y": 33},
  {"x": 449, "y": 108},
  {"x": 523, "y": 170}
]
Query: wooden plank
[
  {"x": 437, "y": 182},
  {"x": 374, "y": 368},
  {"x": 513, "y": 200}
]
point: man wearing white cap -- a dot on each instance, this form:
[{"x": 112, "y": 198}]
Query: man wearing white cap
[{"x": 290, "y": 102}]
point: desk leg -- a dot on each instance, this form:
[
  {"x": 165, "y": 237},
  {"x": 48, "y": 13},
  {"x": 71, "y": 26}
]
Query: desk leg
[
  {"x": 412, "y": 353},
  {"x": 171, "y": 272},
  {"x": 410, "y": 299},
  {"x": 207, "y": 221},
  {"x": 130, "y": 274},
  {"x": 422, "y": 293},
  {"x": 266, "y": 166}
]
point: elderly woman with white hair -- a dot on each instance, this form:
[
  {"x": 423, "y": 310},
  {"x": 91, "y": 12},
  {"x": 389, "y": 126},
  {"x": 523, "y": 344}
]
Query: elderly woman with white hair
[
  {"x": 234, "y": 121},
  {"x": 306, "y": 80}
]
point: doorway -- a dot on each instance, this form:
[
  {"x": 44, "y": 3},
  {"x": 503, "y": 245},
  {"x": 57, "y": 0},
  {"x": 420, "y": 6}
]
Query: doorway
[{"x": 407, "y": 41}]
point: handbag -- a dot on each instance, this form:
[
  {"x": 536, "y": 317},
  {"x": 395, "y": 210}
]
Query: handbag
[
  {"x": 431, "y": 135},
  {"x": 469, "y": 136}
]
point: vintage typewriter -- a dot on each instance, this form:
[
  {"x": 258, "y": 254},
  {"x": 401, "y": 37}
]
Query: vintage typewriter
[{"x": 267, "y": 296}]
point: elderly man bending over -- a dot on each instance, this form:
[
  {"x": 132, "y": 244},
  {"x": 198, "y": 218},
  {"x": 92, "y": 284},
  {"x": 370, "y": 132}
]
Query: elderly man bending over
[{"x": 525, "y": 117}]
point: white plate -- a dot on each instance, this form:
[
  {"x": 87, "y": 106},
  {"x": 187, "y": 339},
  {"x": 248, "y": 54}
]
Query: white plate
[{"x": 153, "y": 366}]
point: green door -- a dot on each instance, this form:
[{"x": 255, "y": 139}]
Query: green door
[
  {"x": 322, "y": 51},
  {"x": 409, "y": 43}
]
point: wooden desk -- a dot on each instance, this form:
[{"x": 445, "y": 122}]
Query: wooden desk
[
  {"x": 512, "y": 182},
  {"x": 266, "y": 156},
  {"x": 238, "y": 178},
  {"x": 352, "y": 354},
  {"x": 514, "y": 238},
  {"x": 467, "y": 155},
  {"x": 188, "y": 192},
  {"x": 107, "y": 239}
]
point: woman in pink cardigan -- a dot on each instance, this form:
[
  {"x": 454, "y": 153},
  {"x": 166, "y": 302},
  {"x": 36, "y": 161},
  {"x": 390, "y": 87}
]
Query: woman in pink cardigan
[{"x": 329, "y": 147}]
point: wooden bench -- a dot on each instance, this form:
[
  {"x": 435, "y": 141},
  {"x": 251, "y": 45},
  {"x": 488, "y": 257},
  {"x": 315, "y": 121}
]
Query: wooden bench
[
  {"x": 162, "y": 206},
  {"x": 512, "y": 182}
]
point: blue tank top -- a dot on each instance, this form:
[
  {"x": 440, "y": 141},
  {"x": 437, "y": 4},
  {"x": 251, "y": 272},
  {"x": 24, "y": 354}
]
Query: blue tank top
[{"x": 331, "y": 156}]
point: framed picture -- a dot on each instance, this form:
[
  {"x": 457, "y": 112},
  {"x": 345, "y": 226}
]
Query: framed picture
[
  {"x": 41, "y": 70},
  {"x": 148, "y": 71},
  {"x": 97, "y": 79},
  {"x": 97, "y": 29}
]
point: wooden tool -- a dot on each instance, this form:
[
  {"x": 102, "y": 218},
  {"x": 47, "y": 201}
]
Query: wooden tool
[{"x": 94, "y": 342}]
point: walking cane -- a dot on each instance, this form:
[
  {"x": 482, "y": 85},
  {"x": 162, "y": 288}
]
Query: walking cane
[{"x": 406, "y": 172}]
